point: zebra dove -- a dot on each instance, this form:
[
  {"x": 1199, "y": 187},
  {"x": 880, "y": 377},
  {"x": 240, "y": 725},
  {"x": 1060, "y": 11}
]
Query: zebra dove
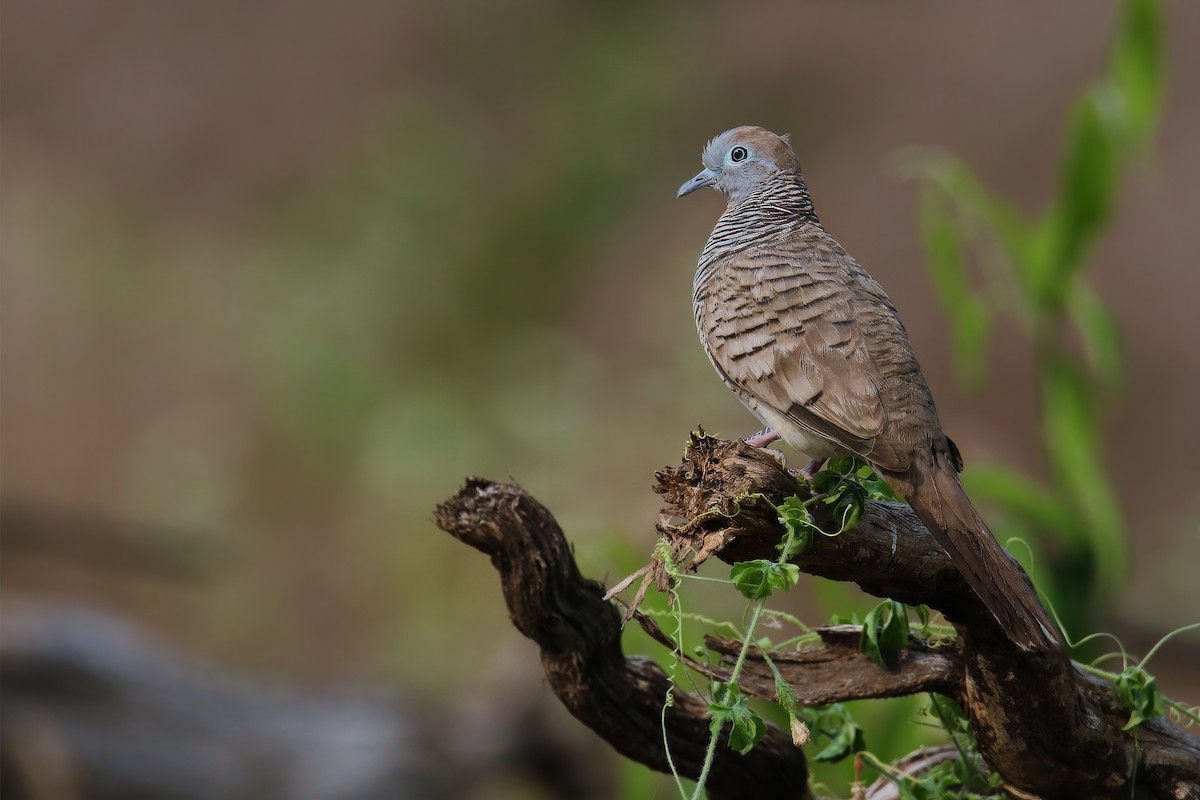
[{"x": 813, "y": 347}]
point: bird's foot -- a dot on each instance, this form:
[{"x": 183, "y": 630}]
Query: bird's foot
[
  {"x": 812, "y": 468},
  {"x": 762, "y": 438}
]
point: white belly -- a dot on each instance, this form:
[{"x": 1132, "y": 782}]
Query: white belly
[{"x": 801, "y": 439}]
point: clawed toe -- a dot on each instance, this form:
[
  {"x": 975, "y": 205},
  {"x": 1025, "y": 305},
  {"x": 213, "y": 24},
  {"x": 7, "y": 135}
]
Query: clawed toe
[{"x": 762, "y": 438}]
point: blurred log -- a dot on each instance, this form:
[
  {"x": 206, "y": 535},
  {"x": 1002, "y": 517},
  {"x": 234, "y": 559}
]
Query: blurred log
[
  {"x": 104, "y": 545},
  {"x": 90, "y": 709},
  {"x": 1051, "y": 729}
]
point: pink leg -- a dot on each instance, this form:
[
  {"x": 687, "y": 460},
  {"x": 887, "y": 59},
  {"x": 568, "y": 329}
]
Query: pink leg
[
  {"x": 812, "y": 468},
  {"x": 762, "y": 438}
]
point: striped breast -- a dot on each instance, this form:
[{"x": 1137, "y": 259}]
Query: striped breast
[{"x": 804, "y": 337}]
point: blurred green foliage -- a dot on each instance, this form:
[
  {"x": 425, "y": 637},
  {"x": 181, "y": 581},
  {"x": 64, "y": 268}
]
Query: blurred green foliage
[{"x": 1035, "y": 272}]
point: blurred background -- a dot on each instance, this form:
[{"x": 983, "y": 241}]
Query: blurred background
[{"x": 278, "y": 275}]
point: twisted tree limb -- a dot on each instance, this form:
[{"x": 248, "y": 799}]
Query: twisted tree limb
[
  {"x": 620, "y": 698},
  {"x": 1051, "y": 729},
  {"x": 835, "y": 670}
]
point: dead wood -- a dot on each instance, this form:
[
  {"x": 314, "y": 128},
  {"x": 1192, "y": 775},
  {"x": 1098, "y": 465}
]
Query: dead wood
[
  {"x": 619, "y": 698},
  {"x": 1051, "y": 729}
]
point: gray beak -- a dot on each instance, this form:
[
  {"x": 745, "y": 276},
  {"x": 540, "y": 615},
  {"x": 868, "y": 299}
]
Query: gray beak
[{"x": 705, "y": 178}]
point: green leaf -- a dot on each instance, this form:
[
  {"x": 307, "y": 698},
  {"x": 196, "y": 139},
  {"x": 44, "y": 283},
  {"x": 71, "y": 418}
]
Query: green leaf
[
  {"x": 969, "y": 313},
  {"x": 1028, "y": 502},
  {"x": 759, "y": 579},
  {"x": 879, "y": 489},
  {"x": 1139, "y": 693},
  {"x": 1022, "y": 246},
  {"x": 841, "y": 746},
  {"x": 885, "y": 632},
  {"x": 1099, "y": 332},
  {"x": 1072, "y": 433},
  {"x": 830, "y": 477},
  {"x": 1138, "y": 65},
  {"x": 746, "y": 728},
  {"x": 1089, "y": 186},
  {"x": 1032, "y": 248},
  {"x": 847, "y": 738},
  {"x": 750, "y": 578},
  {"x": 784, "y": 576},
  {"x": 842, "y": 490},
  {"x": 728, "y": 707},
  {"x": 949, "y": 269},
  {"x": 849, "y": 507}
]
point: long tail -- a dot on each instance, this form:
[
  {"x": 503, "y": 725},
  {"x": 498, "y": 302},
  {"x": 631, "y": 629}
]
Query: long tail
[{"x": 936, "y": 494}]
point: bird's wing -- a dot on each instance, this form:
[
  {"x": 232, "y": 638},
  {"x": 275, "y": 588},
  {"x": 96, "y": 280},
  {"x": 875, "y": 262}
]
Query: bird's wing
[{"x": 785, "y": 323}]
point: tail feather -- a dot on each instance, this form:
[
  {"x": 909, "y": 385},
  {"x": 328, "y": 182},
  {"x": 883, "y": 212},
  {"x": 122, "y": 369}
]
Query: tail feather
[{"x": 938, "y": 498}]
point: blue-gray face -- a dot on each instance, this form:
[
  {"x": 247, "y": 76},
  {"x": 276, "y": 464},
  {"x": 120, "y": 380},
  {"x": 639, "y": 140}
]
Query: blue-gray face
[{"x": 739, "y": 160}]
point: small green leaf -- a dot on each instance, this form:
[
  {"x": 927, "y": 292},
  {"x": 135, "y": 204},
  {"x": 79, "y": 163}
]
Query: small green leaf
[
  {"x": 944, "y": 247},
  {"x": 885, "y": 632},
  {"x": 894, "y": 632},
  {"x": 848, "y": 508},
  {"x": 1138, "y": 65},
  {"x": 842, "y": 490},
  {"x": 1072, "y": 430},
  {"x": 729, "y": 707},
  {"x": 784, "y": 576},
  {"x": 1089, "y": 187},
  {"x": 969, "y": 313},
  {"x": 847, "y": 739},
  {"x": 746, "y": 728},
  {"x": 879, "y": 489},
  {"x": 750, "y": 578},
  {"x": 842, "y": 465},
  {"x": 841, "y": 746},
  {"x": 1099, "y": 332},
  {"x": 1027, "y": 501},
  {"x": 761, "y": 578},
  {"x": 1139, "y": 693}
]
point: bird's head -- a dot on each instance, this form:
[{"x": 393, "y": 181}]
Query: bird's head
[{"x": 740, "y": 160}]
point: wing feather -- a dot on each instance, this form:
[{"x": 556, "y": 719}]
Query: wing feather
[{"x": 784, "y": 324}]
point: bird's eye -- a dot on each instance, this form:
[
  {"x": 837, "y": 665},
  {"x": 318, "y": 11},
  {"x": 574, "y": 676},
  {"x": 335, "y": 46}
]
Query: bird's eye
[{"x": 738, "y": 154}]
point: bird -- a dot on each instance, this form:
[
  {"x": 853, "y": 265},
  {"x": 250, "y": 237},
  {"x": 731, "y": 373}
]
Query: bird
[{"x": 813, "y": 346}]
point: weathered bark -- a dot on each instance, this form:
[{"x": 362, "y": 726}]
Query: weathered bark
[
  {"x": 836, "y": 670},
  {"x": 1049, "y": 728},
  {"x": 579, "y": 633}
]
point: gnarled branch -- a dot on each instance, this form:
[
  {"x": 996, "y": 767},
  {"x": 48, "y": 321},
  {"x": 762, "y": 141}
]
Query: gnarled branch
[
  {"x": 1049, "y": 728},
  {"x": 579, "y": 633}
]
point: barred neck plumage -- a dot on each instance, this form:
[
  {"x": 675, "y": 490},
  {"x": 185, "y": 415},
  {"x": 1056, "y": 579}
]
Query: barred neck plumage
[{"x": 773, "y": 208}]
